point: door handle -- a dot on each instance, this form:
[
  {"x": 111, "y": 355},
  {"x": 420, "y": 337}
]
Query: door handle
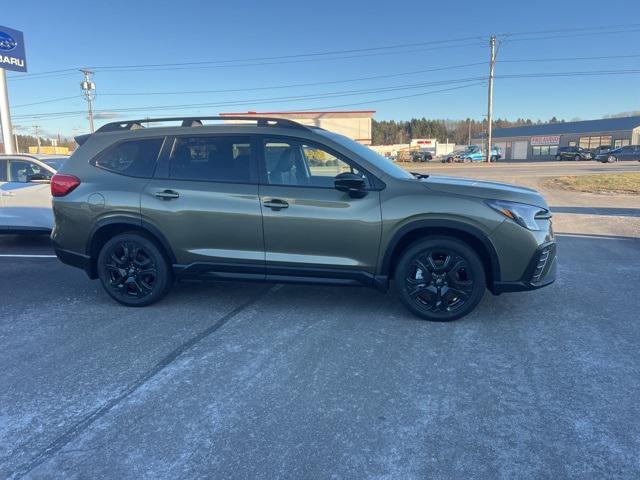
[
  {"x": 276, "y": 204},
  {"x": 167, "y": 194}
]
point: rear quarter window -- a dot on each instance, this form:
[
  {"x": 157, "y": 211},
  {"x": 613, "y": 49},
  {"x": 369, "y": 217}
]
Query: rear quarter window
[{"x": 135, "y": 158}]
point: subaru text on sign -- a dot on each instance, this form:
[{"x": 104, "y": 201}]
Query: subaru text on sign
[{"x": 12, "y": 53}]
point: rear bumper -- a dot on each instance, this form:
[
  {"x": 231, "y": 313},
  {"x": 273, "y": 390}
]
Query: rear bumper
[
  {"x": 541, "y": 271},
  {"x": 74, "y": 259}
]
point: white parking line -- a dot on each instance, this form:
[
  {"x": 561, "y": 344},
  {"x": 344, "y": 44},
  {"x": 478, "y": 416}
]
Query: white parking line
[{"x": 18, "y": 255}]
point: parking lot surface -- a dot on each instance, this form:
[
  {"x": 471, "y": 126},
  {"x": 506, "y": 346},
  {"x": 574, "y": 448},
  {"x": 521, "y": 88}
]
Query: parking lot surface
[{"x": 240, "y": 380}]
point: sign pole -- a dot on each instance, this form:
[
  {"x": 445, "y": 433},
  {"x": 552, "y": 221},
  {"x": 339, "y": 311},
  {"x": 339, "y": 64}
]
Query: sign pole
[{"x": 5, "y": 115}]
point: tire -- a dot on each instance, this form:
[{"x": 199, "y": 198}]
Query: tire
[
  {"x": 426, "y": 297},
  {"x": 612, "y": 159},
  {"x": 558, "y": 158},
  {"x": 133, "y": 270},
  {"x": 577, "y": 158}
]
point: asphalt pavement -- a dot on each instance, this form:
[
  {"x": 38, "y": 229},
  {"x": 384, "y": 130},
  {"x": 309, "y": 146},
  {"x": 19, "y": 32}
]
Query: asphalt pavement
[{"x": 264, "y": 381}]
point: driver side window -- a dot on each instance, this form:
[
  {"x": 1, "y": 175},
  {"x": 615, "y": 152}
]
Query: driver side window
[
  {"x": 21, "y": 171},
  {"x": 296, "y": 163}
]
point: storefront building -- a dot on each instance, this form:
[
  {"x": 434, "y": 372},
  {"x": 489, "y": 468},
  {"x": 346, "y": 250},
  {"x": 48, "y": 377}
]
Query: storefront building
[{"x": 541, "y": 142}]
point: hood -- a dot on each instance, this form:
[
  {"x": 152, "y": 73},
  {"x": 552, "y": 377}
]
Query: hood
[{"x": 484, "y": 189}]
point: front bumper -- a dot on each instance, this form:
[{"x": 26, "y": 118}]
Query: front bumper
[{"x": 540, "y": 272}]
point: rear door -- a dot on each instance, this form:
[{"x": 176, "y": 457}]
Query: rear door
[
  {"x": 26, "y": 195},
  {"x": 204, "y": 200},
  {"x": 310, "y": 228}
]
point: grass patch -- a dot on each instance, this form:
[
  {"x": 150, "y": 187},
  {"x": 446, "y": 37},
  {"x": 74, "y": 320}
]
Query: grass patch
[{"x": 600, "y": 183}]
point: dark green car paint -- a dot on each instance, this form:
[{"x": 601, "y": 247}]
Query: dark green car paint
[{"x": 231, "y": 230}]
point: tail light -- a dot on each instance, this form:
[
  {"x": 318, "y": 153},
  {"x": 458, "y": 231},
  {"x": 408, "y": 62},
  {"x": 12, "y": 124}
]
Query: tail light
[{"x": 62, "y": 185}]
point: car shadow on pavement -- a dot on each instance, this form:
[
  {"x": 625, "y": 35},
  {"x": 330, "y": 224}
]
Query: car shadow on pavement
[{"x": 616, "y": 212}]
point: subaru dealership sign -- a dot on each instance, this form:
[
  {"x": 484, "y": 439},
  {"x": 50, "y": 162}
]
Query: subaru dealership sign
[{"x": 12, "y": 53}]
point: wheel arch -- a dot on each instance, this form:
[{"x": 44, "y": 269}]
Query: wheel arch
[
  {"x": 109, "y": 227},
  {"x": 472, "y": 236}
]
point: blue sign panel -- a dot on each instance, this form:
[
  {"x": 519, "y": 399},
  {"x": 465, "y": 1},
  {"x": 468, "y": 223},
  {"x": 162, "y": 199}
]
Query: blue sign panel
[{"x": 12, "y": 53}]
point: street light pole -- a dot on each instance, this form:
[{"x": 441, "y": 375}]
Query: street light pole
[
  {"x": 5, "y": 115},
  {"x": 492, "y": 62}
]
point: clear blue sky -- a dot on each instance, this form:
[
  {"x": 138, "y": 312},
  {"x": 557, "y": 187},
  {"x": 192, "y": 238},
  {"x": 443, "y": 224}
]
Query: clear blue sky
[{"x": 74, "y": 34}]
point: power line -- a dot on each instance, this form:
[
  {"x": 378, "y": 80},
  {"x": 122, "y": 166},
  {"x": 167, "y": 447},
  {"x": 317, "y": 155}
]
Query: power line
[
  {"x": 389, "y": 99},
  {"x": 45, "y": 101},
  {"x": 346, "y": 92},
  {"x": 539, "y": 34},
  {"x": 299, "y": 55},
  {"x": 565, "y": 59},
  {"x": 294, "y": 85}
]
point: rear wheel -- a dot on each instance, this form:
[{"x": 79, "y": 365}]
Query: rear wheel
[
  {"x": 440, "y": 279},
  {"x": 133, "y": 270},
  {"x": 612, "y": 159},
  {"x": 577, "y": 158}
]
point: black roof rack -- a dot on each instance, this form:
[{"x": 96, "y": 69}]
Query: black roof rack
[{"x": 197, "y": 122}]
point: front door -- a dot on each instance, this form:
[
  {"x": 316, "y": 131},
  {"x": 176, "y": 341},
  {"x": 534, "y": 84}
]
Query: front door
[
  {"x": 204, "y": 200},
  {"x": 25, "y": 196},
  {"x": 310, "y": 228}
]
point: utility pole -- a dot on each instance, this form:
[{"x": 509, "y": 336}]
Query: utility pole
[
  {"x": 469, "y": 123},
  {"x": 492, "y": 62},
  {"x": 15, "y": 137},
  {"x": 89, "y": 89},
  {"x": 5, "y": 115},
  {"x": 37, "y": 127}
]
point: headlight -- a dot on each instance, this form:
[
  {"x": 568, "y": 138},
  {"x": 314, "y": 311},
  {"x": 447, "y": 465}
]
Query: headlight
[{"x": 523, "y": 214}]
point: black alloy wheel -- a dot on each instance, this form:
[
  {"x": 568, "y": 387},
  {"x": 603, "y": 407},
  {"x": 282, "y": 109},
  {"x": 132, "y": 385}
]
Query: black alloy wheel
[
  {"x": 133, "y": 270},
  {"x": 440, "y": 279}
]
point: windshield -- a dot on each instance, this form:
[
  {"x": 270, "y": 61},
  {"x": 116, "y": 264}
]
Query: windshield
[{"x": 377, "y": 160}]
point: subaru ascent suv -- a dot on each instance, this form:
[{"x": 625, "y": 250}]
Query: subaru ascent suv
[{"x": 274, "y": 200}]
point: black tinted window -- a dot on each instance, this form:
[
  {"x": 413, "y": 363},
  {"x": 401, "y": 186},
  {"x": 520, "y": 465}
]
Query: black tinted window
[
  {"x": 136, "y": 158},
  {"x": 213, "y": 159}
]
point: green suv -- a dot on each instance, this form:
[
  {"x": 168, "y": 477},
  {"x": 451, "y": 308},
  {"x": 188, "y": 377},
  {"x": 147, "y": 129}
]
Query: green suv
[{"x": 273, "y": 200}]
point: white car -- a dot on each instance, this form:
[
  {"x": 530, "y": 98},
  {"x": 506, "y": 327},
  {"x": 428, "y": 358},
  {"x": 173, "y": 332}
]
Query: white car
[{"x": 25, "y": 196}]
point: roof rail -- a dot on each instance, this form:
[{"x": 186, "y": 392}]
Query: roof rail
[{"x": 197, "y": 122}]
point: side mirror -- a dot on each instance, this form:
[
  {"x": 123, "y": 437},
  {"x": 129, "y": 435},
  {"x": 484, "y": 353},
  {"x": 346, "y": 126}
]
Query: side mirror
[
  {"x": 38, "y": 177},
  {"x": 351, "y": 183}
]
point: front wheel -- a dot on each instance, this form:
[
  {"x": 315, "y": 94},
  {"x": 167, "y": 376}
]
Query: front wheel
[
  {"x": 133, "y": 270},
  {"x": 558, "y": 158},
  {"x": 577, "y": 158},
  {"x": 612, "y": 159},
  {"x": 440, "y": 279}
]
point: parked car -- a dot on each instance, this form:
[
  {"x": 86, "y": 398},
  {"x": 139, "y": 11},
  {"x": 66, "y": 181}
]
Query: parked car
[
  {"x": 421, "y": 157},
  {"x": 453, "y": 156},
  {"x": 478, "y": 155},
  {"x": 628, "y": 152},
  {"x": 137, "y": 207},
  {"x": 573, "y": 153},
  {"x": 25, "y": 196},
  {"x": 600, "y": 150}
]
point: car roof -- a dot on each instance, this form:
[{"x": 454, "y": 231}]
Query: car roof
[{"x": 41, "y": 157}]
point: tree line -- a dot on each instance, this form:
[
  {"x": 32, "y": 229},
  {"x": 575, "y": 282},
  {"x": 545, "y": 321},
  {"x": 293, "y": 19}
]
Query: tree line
[
  {"x": 26, "y": 141},
  {"x": 388, "y": 132}
]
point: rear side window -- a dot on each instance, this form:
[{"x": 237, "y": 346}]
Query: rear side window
[
  {"x": 211, "y": 159},
  {"x": 135, "y": 158}
]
